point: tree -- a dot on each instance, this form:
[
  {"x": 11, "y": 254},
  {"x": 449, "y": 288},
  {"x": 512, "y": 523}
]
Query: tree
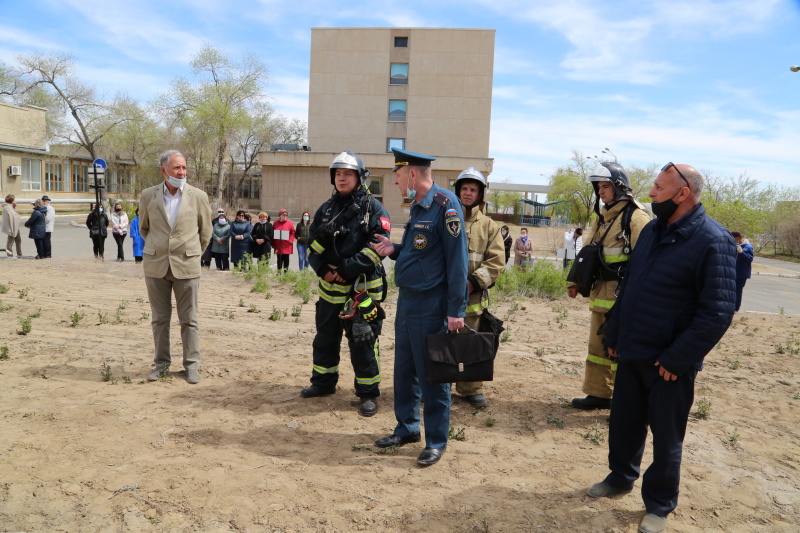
[
  {"x": 642, "y": 179},
  {"x": 569, "y": 183},
  {"x": 212, "y": 108}
]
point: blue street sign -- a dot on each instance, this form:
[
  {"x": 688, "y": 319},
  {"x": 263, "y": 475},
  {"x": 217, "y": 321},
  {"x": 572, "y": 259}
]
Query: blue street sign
[{"x": 100, "y": 163}]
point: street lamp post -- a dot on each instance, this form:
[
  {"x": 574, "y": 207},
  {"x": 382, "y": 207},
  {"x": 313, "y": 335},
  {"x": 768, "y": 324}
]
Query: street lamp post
[{"x": 794, "y": 68}]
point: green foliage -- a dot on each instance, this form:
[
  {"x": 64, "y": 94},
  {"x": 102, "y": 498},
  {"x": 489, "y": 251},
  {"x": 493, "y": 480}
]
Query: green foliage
[
  {"x": 105, "y": 372},
  {"x": 76, "y": 317},
  {"x": 296, "y": 310},
  {"x": 3, "y": 289},
  {"x": 4, "y": 353},
  {"x": 595, "y": 434},
  {"x": 542, "y": 280},
  {"x": 304, "y": 286},
  {"x": 102, "y": 317},
  {"x": 277, "y": 314},
  {"x": 703, "y": 409},
  {"x": 5, "y": 307},
  {"x": 25, "y": 325},
  {"x": 556, "y": 421},
  {"x": 457, "y": 433},
  {"x": 568, "y": 183}
]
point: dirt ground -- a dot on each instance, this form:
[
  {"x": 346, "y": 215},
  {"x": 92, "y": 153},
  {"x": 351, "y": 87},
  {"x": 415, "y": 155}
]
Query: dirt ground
[{"x": 241, "y": 451}]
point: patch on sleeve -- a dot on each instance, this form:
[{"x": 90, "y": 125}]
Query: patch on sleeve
[
  {"x": 386, "y": 224},
  {"x": 453, "y": 225}
]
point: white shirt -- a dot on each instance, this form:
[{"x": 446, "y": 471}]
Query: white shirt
[
  {"x": 50, "y": 219},
  {"x": 172, "y": 204}
]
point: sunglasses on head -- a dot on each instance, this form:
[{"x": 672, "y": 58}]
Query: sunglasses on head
[{"x": 672, "y": 165}]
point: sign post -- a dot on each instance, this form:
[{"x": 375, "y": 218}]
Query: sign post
[{"x": 98, "y": 171}]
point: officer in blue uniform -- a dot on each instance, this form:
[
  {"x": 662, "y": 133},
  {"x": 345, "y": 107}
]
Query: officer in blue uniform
[
  {"x": 431, "y": 272},
  {"x": 352, "y": 282}
]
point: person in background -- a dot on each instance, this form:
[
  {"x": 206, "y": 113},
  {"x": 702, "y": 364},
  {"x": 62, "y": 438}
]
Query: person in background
[
  {"x": 50, "y": 224},
  {"x": 249, "y": 220},
  {"x": 240, "y": 238},
  {"x": 303, "y": 232},
  {"x": 10, "y": 226},
  {"x": 208, "y": 254},
  {"x": 283, "y": 238},
  {"x": 573, "y": 241},
  {"x": 507, "y": 241},
  {"x": 97, "y": 222},
  {"x": 37, "y": 226},
  {"x": 262, "y": 232},
  {"x": 523, "y": 248},
  {"x": 119, "y": 228},
  {"x": 221, "y": 236},
  {"x": 137, "y": 241},
  {"x": 744, "y": 264}
]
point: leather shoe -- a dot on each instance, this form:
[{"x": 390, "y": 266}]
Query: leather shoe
[
  {"x": 430, "y": 456},
  {"x": 652, "y": 523},
  {"x": 477, "y": 400},
  {"x": 315, "y": 390},
  {"x": 193, "y": 376},
  {"x": 369, "y": 406},
  {"x": 157, "y": 372},
  {"x": 591, "y": 402},
  {"x": 397, "y": 440},
  {"x": 605, "y": 490}
]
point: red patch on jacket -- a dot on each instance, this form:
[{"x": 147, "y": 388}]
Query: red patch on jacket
[{"x": 386, "y": 224}]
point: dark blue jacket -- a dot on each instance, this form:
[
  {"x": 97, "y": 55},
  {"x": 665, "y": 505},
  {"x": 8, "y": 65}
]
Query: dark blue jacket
[
  {"x": 36, "y": 223},
  {"x": 677, "y": 299},
  {"x": 744, "y": 262},
  {"x": 433, "y": 254}
]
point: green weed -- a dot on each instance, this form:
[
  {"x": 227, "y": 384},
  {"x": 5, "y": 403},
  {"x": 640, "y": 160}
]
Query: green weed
[
  {"x": 703, "y": 409},
  {"x": 25, "y": 325},
  {"x": 277, "y": 314},
  {"x": 102, "y": 317},
  {"x": 105, "y": 372},
  {"x": 23, "y": 293},
  {"x": 296, "y": 310},
  {"x": 36, "y": 314},
  {"x": 123, "y": 304},
  {"x": 556, "y": 421},
  {"x": 3, "y": 289},
  {"x": 75, "y": 318},
  {"x": 542, "y": 280},
  {"x": 595, "y": 435},
  {"x": 241, "y": 302},
  {"x": 4, "y": 353},
  {"x": 253, "y": 309},
  {"x": 457, "y": 433},
  {"x": 5, "y": 307}
]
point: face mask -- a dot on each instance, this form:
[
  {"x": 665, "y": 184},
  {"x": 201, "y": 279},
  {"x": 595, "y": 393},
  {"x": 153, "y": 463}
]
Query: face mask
[
  {"x": 101, "y": 209},
  {"x": 223, "y": 221},
  {"x": 504, "y": 233},
  {"x": 664, "y": 210},
  {"x": 119, "y": 209},
  {"x": 178, "y": 183},
  {"x": 305, "y": 218}
]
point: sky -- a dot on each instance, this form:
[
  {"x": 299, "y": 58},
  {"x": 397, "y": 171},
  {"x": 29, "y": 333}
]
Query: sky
[{"x": 690, "y": 81}]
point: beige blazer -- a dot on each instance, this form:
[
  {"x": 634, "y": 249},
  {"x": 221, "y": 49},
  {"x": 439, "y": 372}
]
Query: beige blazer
[{"x": 180, "y": 247}]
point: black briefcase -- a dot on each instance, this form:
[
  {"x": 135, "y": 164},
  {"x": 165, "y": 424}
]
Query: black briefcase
[{"x": 454, "y": 357}]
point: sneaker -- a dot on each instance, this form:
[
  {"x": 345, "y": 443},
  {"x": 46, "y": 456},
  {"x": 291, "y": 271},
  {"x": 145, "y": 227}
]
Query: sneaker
[
  {"x": 652, "y": 523},
  {"x": 193, "y": 375},
  {"x": 369, "y": 406}
]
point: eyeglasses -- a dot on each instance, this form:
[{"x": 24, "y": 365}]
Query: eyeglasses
[{"x": 673, "y": 165}]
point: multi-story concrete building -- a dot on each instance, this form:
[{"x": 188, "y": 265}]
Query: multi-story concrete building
[{"x": 427, "y": 90}]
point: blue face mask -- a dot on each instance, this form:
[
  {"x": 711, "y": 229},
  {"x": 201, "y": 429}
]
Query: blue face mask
[
  {"x": 178, "y": 183},
  {"x": 101, "y": 209}
]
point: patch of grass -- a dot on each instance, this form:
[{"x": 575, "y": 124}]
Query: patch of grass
[
  {"x": 118, "y": 315},
  {"x": 105, "y": 372},
  {"x": 261, "y": 285},
  {"x": 145, "y": 315},
  {"x": 703, "y": 409},
  {"x": 733, "y": 437},
  {"x": 4, "y": 353},
  {"x": 781, "y": 310},
  {"x": 391, "y": 450},
  {"x": 542, "y": 280},
  {"x": 561, "y": 312},
  {"x": 102, "y": 317},
  {"x": 556, "y": 421},
  {"x": 734, "y": 365},
  {"x": 127, "y": 380},
  {"x": 304, "y": 286},
  {"x": 75, "y": 318},
  {"x": 36, "y": 314},
  {"x": 241, "y": 302},
  {"x": 5, "y": 307},
  {"x": 506, "y": 335},
  {"x": 795, "y": 397},
  {"x": 490, "y": 421},
  {"x": 296, "y": 310},
  {"x": 457, "y": 433},
  {"x": 123, "y": 304},
  {"x": 361, "y": 448},
  {"x": 227, "y": 314},
  {"x": 23, "y": 293},
  {"x": 3, "y": 289},
  {"x": 253, "y": 309},
  {"x": 277, "y": 314},
  {"x": 25, "y": 325},
  {"x": 595, "y": 435}
]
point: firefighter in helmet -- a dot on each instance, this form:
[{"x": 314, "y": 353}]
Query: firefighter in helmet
[{"x": 352, "y": 283}]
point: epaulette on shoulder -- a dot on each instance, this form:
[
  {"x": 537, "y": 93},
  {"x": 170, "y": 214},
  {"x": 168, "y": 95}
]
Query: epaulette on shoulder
[{"x": 441, "y": 199}]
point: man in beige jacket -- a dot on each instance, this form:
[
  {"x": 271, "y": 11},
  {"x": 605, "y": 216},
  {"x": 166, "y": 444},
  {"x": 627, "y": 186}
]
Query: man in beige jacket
[{"x": 175, "y": 221}]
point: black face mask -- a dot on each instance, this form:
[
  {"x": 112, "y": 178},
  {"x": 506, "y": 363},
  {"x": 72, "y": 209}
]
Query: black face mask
[{"x": 664, "y": 210}]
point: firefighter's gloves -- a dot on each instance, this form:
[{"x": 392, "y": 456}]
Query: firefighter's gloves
[
  {"x": 362, "y": 332},
  {"x": 361, "y": 305}
]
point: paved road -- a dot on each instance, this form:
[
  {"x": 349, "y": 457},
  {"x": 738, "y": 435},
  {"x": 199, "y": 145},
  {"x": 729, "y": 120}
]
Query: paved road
[{"x": 764, "y": 293}]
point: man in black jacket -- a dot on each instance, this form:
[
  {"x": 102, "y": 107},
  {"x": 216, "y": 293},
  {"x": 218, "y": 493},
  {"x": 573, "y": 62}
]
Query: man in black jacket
[
  {"x": 351, "y": 285},
  {"x": 676, "y": 302}
]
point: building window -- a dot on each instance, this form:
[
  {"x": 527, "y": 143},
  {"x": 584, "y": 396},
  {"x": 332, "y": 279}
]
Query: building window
[
  {"x": 399, "y": 74},
  {"x": 397, "y": 110},
  {"x": 401, "y": 42},
  {"x": 375, "y": 186},
  {"x": 118, "y": 180},
  {"x": 31, "y": 175},
  {"x": 251, "y": 187},
  {"x": 54, "y": 177},
  {"x": 400, "y": 144},
  {"x": 80, "y": 177}
]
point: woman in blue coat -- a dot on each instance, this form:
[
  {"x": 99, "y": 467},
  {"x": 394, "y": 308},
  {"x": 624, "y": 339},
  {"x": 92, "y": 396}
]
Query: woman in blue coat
[
  {"x": 136, "y": 238},
  {"x": 240, "y": 238},
  {"x": 37, "y": 225}
]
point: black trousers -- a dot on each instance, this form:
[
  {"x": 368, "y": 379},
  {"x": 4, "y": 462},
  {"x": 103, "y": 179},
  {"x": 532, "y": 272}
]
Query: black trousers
[
  {"x": 327, "y": 346},
  {"x": 39, "y": 247},
  {"x": 98, "y": 245},
  {"x": 643, "y": 399},
  {"x": 221, "y": 259},
  {"x": 47, "y": 247},
  {"x": 120, "y": 250},
  {"x": 283, "y": 262}
]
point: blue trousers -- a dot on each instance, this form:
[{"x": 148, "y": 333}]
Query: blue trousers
[
  {"x": 418, "y": 315},
  {"x": 302, "y": 256},
  {"x": 643, "y": 399}
]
